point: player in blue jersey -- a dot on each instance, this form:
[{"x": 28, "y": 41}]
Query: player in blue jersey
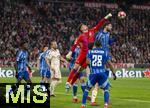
[
  {"x": 97, "y": 59},
  {"x": 22, "y": 65},
  {"x": 104, "y": 37},
  {"x": 43, "y": 67},
  {"x": 106, "y": 41}
]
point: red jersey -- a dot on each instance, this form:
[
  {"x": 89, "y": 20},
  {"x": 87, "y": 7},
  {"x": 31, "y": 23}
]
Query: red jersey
[{"x": 88, "y": 37}]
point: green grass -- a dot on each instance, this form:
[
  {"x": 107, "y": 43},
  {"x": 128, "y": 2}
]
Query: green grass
[{"x": 125, "y": 93}]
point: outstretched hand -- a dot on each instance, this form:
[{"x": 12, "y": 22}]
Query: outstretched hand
[
  {"x": 108, "y": 16},
  {"x": 114, "y": 76}
]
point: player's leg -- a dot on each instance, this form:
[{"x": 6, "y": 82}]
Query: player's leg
[
  {"x": 56, "y": 79},
  {"x": 74, "y": 90},
  {"x": 52, "y": 86},
  {"x": 104, "y": 84},
  {"x": 43, "y": 79},
  {"x": 91, "y": 82},
  {"x": 94, "y": 91},
  {"x": 106, "y": 96},
  {"x": 83, "y": 84},
  {"x": 16, "y": 85},
  {"x": 94, "y": 95},
  {"x": 47, "y": 82},
  {"x": 74, "y": 75},
  {"x": 83, "y": 66},
  {"x": 26, "y": 77},
  {"x": 74, "y": 72}
]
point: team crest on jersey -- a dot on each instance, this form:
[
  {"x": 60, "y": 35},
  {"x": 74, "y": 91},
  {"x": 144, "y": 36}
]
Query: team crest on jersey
[{"x": 90, "y": 33}]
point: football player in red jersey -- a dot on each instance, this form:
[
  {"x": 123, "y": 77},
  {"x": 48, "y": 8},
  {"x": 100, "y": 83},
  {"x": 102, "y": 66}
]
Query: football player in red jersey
[{"x": 84, "y": 39}]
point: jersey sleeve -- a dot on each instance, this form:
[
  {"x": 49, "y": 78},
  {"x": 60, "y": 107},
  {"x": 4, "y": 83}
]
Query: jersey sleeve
[
  {"x": 40, "y": 55},
  {"x": 49, "y": 55},
  {"x": 107, "y": 56},
  {"x": 19, "y": 56},
  {"x": 100, "y": 23},
  {"x": 89, "y": 55},
  {"x": 98, "y": 36},
  {"x": 76, "y": 44}
]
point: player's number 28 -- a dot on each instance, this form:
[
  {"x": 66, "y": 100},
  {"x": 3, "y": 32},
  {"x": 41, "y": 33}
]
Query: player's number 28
[{"x": 97, "y": 60}]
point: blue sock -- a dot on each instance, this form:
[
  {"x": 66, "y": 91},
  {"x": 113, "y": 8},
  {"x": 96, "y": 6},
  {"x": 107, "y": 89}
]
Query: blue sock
[
  {"x": 27, "y": 89},
  {"x": 75, "y": 88},
  {"x": 83, "y": 86},
  {"x": 42, "y": 85},
  {"x": 13, "y": 88},
  {"x": 85, "y": 94},
  {"x": 106, "y": 96}
]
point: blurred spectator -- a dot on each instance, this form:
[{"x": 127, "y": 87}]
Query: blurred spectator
[{"x": 39, "y": 20}]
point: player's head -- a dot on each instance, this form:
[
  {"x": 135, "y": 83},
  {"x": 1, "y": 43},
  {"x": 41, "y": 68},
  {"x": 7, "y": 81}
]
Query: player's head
[
  {"x": 108, "y": 26},
  {"x": 24, "y": 45},
  {"x": 45, "y": 47},
  {"x": 83, "y": 28},
  {"x": 97, "y": 44},
  {"x": 54, "y": 44}
]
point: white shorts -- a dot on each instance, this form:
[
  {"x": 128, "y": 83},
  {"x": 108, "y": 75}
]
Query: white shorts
[{"x": 57, "y": 73}]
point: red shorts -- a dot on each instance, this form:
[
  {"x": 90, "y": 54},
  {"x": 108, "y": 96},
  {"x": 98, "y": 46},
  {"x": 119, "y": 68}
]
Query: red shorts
[{"x": 81, "y": 59}]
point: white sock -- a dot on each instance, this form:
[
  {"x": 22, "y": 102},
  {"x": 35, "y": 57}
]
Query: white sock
[
  {"x": 52, "y": 86},
  {"x": 94, "y": 95}
]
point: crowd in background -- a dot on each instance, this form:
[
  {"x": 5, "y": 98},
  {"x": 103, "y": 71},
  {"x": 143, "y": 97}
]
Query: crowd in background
[{"x": 37, "y": 22}]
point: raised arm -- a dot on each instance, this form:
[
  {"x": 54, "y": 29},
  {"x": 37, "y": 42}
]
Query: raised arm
[{"x": 101, "y": 22}]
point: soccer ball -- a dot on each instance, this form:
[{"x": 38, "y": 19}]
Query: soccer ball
[{"x": 121, "y": 15}]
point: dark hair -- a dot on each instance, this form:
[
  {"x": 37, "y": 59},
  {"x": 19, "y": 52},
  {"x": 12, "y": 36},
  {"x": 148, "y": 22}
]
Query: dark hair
[
  {"x": 97, "y": 43},
  {"x": 22, "y": 43},
  {"x": 45, "y": 45},
  {"x": 79, "y": 27}
]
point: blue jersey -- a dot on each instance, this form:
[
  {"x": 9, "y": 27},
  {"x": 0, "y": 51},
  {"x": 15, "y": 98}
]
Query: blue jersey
[
  {"x": 22, "y": 60},
  {"x": 98, "y": 59},
  {"x": 74, "y": 56},
  {"x": 43, "y": 64},
  {"x": 104, "y": 38}
]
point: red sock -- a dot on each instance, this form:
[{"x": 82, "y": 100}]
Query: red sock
[
  {"x": 72, "y": 72},
  {"x": 75, "y": 77}
]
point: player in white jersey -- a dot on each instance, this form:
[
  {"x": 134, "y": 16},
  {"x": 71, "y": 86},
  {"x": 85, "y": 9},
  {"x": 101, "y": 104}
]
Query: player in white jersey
[{"x": 53, "y": 59}]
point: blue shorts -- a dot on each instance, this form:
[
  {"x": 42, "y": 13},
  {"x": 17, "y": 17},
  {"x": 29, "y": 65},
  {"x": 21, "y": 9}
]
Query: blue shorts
[
  {"x": 23, "y": 75},
  {"x": 100, "y": 78},
  {"x": 107, "y": 73},
  {"x": 45, "y": 73}
]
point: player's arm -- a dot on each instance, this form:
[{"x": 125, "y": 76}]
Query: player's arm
[
  {"x": 110, "y": 65},
  {"x": 68, "y": 56},
  {"x": 63, "y": 59},
  {"x": 101, "y": 22},
  {"x": 47, "y": 59}
]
